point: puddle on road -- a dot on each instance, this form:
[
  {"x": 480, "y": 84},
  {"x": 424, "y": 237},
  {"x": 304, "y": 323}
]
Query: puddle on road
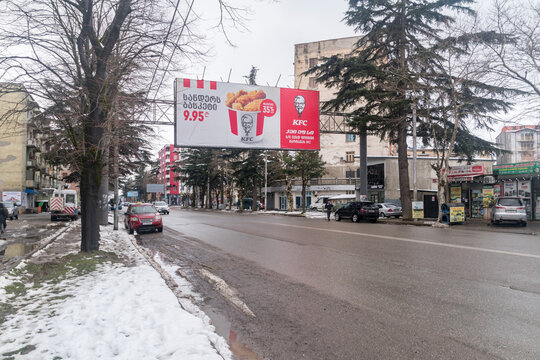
[
  {"x": 18, "y": 249},
  {"x": 223, "y": 328}
]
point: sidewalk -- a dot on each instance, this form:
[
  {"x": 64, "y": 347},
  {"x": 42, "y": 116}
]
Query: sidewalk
[{"x": 117, "y": 303}]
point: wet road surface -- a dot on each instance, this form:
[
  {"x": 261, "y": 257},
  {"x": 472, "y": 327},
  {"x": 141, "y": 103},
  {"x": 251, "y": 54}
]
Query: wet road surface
[{"x": 339, "y": 290}]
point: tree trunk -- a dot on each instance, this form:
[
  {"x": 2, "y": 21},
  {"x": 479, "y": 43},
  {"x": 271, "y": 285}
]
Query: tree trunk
[
  {"x": 90, "y": 183},
  {"x": 104, "y": 186},
  {"x": 304, "y": 185},
  {"x": 290, "y": 203},
  {"x": 403, "y": 165},
  {"x": 254, "y": 196}
]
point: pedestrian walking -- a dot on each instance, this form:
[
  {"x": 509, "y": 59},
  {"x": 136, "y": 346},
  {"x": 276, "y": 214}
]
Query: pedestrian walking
[
  {"x": 3, "y": 217},
  {"x": 328, "y": 208}
]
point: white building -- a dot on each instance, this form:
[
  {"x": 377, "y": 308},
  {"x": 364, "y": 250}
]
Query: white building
[{"x": 522, "y": 141}]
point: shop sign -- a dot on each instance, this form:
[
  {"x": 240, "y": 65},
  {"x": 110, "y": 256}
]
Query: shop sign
[
  {"x": 132, "y": 193},
  {"x": 467, "y": 170},
  {"x": 529, "y": 167}
]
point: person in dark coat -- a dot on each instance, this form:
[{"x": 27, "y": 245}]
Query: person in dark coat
[
  {"x": 3, "y": 217},
  {"x": 328, "y": 208}
]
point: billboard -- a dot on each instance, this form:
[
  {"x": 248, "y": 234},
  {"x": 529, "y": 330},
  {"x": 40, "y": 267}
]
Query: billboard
[
  {"x": 14, "y": 196},
  {"x": 154, "y": 188},
  {"x": 132, "y": 193},
  {"x": 227, "y": 115}
]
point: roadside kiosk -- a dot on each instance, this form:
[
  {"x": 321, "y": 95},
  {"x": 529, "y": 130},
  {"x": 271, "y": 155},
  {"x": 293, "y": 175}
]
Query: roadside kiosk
[{"x": 453, "y": 213}]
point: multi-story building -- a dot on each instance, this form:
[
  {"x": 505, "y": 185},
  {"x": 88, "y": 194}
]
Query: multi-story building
[
  {"x": 23, "y": 171},
  {"x": 522, "y": 142},
  {"x": 168, "y": 175}
]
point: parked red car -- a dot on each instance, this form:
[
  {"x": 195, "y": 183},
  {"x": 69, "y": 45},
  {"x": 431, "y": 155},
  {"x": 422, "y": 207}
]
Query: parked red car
[{"x": 142, "y": 217}]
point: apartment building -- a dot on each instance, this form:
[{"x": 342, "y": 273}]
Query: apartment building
[
  {"x": 168, "y": 175},
  {"x": 522, "y": 142},
  {"x": 23, "y": 171}
]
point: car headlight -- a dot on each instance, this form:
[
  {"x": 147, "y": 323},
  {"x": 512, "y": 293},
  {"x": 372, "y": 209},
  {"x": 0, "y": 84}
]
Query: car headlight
[
  {"x": 133, "y": 218},
  {"x": 158, "y": 217}
]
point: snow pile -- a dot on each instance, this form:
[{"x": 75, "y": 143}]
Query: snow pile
[{"x": 118, "y": 311}]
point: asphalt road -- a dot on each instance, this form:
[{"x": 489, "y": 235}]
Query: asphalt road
[{"x": 339, "y": 290}]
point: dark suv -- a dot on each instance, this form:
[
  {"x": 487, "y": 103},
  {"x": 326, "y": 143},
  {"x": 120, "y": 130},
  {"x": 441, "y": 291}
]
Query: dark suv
[{"x": 358, "y": 210}]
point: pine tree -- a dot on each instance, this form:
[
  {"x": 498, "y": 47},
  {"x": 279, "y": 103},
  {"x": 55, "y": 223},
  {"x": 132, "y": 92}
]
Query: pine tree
[{"x": 374, "y": 83}]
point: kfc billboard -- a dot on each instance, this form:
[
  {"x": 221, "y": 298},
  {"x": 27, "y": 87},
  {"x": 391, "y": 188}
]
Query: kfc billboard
[{"x": 227, "y": 115}]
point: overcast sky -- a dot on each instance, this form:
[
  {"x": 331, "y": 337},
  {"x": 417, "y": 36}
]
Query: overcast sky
[{"x": 273, "y": 28}]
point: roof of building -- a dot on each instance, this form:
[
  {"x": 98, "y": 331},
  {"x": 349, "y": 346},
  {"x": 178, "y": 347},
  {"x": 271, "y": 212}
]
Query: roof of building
[{"x": 520, "y": 127}]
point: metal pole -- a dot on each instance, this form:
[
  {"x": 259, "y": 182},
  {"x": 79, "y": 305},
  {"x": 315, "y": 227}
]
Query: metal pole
[
  {"x": 363, "y": 191},
  {"x": 415, "y": 186},
  {"x": 116, "y": 175},
  {"x": 266, "y": 179}
]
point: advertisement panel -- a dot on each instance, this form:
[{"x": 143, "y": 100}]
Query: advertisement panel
[
  {"x": 457, "y": 214},
  {"x": 455, "y": 194},
  {"x": 154, "y": 188},
  {"x": 418, "y": 209},
  {"x": 227, "y": 115},
  {"x": 14, "y": 196},
  {"x": 487, "y": 196},
  {"x": 510, "y": 188},
  {"x": 132, "y": 193},
  {"x": 524, "y": 188}
]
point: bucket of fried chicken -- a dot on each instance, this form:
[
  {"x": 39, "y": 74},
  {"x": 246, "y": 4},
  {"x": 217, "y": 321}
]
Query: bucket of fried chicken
[{"x": 246, "y": 119}]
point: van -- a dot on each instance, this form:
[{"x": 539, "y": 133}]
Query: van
[{"x": 319, "y": 204}]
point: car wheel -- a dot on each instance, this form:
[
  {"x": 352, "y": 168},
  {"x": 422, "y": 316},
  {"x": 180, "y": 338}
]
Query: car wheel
[
  {"x": 355, "y": 218},
  {"x": 167, "y": 213},
  {"x": 338, "y": 217},
  {"x": 383, "y": 215},
  {"x": 160, "y": 229},
  {"x": 131, "y": 231}
]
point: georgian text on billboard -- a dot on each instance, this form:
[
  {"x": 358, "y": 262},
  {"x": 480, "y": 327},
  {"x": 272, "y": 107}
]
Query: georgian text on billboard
[{"x": 227, "y": 115}]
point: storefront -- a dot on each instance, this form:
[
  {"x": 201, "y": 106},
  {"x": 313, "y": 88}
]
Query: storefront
[
  {"x": 470, "y": 186},
  {"x": 523, "y": 180}
]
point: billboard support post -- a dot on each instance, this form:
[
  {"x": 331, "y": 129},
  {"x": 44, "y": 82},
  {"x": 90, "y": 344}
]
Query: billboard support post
[{"x": 266, "y": 180}]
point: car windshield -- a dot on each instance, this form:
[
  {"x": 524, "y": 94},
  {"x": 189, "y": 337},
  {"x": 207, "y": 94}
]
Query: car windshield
[
  {"x": 144, "y": 209},
  {"x": 8, "y": 205},
  {"x": 160, "y": 203},
  {"x": 510, "y": 202},
  {"x": 390, "y": 205}
]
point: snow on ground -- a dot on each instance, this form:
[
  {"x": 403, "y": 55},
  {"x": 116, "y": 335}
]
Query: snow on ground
[{"x": 116, "y": 312}]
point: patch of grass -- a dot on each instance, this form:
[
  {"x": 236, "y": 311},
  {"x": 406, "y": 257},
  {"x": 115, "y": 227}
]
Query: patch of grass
[
  {"x": 16, "y": 289},
  {"x": 5, "y": 310},
  {"x": 23, "y": 351},
  {"x": 62, "y": 297},
  {"x": 78, "y": 264}
]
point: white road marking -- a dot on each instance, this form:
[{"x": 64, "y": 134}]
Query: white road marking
[
  {"x": 455, "y": 246},
  {"x": 225, "y": 290}
]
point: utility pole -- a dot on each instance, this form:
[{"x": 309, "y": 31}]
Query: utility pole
[
  {"x": 266, "y": 178},
  {"x": 116, "y": 160},
  {"x": 415, "y": 186}
]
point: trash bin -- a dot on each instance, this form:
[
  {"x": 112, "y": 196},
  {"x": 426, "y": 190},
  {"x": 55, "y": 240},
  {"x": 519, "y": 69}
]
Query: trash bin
[{"x": 452, "y": 213}]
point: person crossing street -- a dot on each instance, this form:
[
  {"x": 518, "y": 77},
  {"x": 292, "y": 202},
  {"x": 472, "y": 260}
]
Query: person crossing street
[{"x": 328, "y": 208}]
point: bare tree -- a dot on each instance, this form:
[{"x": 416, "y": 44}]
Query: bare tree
[
  {"x": 79, "y": 55},
  {"x": 515, "y": 56}
]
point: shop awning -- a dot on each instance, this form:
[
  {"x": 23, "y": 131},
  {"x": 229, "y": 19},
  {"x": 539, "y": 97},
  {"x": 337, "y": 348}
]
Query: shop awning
[{"x": 30, "y": 191}]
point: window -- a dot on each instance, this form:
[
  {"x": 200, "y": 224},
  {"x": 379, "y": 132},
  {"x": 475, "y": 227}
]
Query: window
[
  {"x": 350, "y": 173},
  {"x": 349, "y": 156},
  {"x": 312, "y": 82},
  {"x": 350, "y": 137},
  {"x": 312, "y": 62}
]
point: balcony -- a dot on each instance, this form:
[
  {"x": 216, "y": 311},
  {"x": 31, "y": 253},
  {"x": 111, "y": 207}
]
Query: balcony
[{"x": 32, "y": 143}]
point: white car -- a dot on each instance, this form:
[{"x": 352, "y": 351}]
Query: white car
[
  {"x": 161, "y": 207},
  {"x": 389, "y": 210}
]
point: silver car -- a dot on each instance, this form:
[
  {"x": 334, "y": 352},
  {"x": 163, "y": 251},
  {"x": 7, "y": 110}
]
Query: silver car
[
  {"x": 161, "y": 207},
  {"x": 389, "y": 210},
  {"x": 509, "y": 209},
  {"x": 12, "y": 208}
]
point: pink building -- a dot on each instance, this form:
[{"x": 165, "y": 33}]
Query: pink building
[{"x": 167, "y": 174}]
